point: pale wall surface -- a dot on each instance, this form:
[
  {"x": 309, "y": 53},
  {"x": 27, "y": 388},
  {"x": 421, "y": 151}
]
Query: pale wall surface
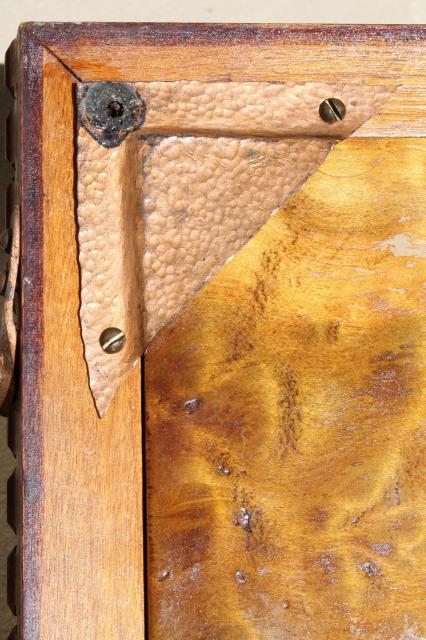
[{"x": 12, "y": 13}]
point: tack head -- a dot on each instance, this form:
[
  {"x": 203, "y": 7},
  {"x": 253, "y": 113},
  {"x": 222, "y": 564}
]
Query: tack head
[{"x": 111, "y": 110}]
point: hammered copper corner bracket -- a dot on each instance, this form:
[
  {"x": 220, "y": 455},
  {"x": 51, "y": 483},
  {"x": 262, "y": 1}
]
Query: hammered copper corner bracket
[{"x": 173, "y": 179}]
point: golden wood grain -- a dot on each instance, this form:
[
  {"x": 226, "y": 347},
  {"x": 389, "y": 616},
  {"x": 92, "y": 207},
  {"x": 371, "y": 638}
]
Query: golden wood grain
[{"x": 286, "y": 426}]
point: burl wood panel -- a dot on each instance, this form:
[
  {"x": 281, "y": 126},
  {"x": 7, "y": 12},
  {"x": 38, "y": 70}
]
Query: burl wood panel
[{"x": 286, "y": 429}]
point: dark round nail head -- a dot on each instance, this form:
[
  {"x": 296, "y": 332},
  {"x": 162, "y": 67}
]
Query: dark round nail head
[
  {"x": 112, "y": 340},
  {"x": 111, "y": 110},
  {"x": 332, "y": 110}
]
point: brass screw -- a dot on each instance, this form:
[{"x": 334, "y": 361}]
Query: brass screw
[
  {"x": 332, "y": 110},
  {"x": 112, "y": 340}
]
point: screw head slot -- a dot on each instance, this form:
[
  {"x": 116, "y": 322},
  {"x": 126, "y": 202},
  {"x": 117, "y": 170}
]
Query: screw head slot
[
  {"x": 332, "y": 110},
  {"x": 112, "y": 340}
]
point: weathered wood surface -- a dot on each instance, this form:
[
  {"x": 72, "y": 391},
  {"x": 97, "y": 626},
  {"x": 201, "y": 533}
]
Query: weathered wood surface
[
  {"x": 80, "y": 531},
  {"x": 286, "y": 429},
  {"x": 372, "y": 54}
]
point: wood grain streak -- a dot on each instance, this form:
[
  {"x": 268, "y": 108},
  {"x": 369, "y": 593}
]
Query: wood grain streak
[
  {"x": 281, "y": 53},
  {"x": 88, "y": 485},
  {"x": 286, "y": 432},
  {"x": 30, "y": 453}
]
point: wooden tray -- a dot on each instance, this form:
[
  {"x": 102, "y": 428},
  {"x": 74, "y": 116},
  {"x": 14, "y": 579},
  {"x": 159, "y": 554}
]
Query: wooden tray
[{"x": 276, "y": 485}]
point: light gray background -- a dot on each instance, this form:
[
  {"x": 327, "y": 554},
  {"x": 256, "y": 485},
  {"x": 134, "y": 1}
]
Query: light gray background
[{"x": 12, "y": 13}]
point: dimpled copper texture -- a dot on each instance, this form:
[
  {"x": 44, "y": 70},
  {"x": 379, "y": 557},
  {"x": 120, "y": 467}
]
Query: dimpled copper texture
[
  {"x": 161, "y": 213},
  {"x": 110, "y": 261},
  {"x": 204, "y": 198},
  {"x": 260, "y": 109}
]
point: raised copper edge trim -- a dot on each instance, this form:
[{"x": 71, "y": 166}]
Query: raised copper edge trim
[
  {"x": 151, "y": 126},
  {"x": 8, "y": 328}
]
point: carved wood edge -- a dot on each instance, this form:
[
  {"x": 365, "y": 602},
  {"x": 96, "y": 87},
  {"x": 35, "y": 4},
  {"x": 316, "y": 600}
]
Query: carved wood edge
[
  {"x": 9, "y": 314},
  {"x": 165, "y": 202}
]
